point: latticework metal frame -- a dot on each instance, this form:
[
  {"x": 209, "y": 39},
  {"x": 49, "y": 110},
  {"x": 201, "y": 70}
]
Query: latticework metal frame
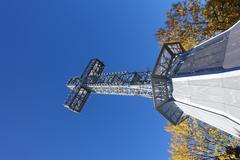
[
  {"x": 161, "y": 82},
  {"x": 156, "y": 85},
  {"x": 117, "y": 83}
]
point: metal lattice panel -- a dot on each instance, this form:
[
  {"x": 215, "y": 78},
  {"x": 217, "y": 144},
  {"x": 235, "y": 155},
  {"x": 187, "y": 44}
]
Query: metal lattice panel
[
  {"x": 121, "y": 78},
  {"x": 161, "y": 82},
  {"x": 77, "y": 98},
  {"x": 128, "y": 90}
]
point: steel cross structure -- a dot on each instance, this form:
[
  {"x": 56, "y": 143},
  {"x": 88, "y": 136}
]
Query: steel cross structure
[
  {"x": 118, "y": 83},
  {"x": 145, "y": 84},
  {"x": 203, "y": 82}
]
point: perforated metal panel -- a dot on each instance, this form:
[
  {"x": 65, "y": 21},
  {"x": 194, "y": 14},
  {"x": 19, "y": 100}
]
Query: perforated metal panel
[
  {"x": 93, "y": 71},
  {"x": 77, "y": 98}
]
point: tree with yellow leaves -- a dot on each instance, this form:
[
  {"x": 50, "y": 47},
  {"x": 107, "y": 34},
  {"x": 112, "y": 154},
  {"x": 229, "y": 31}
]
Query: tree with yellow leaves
[
  {"x": 191, "y": 22},
  {"x": 220, "y": 15},
  {"x": 185, "y": 24},
  {"x": 193, "y": 139}
]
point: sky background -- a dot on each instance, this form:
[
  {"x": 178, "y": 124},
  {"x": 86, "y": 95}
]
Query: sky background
[{"x": 42, "y": 44}]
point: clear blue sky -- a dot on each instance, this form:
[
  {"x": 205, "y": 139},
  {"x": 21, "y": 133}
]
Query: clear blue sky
[{"x": 42, "y": 44}]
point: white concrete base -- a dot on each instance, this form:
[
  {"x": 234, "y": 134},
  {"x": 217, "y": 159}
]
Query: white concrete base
[{"x": 212, "y": 98}]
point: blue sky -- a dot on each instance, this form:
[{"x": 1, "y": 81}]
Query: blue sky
[{"x": 42, "y": 44}]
